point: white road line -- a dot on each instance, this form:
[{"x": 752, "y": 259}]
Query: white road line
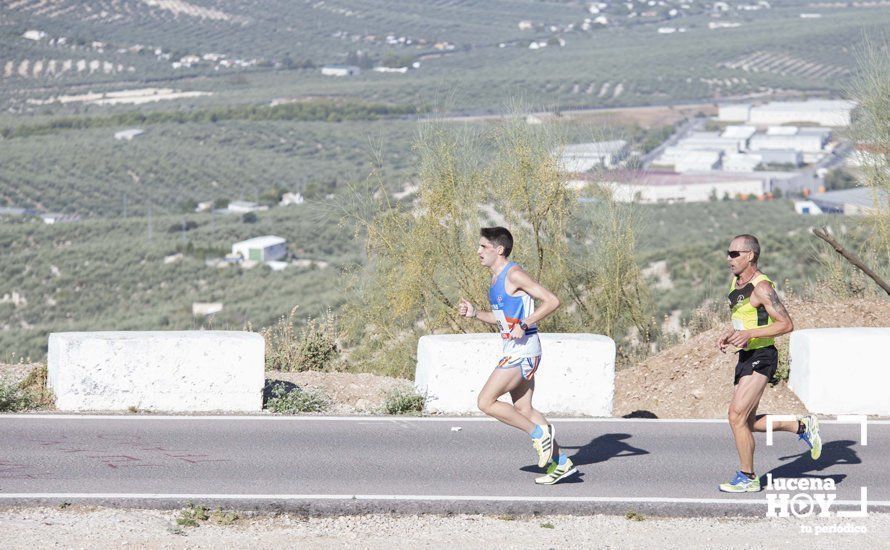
[
  {"x": 297, "y": 418},
  {"x": 433, "y": 498}
]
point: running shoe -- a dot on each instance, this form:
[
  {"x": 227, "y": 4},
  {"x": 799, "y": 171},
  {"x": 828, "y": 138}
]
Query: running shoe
[
  {"x": 811, "y": 436},
  {"x": 741, "y": 484},
  {"x": 544, "y": 445},
  {"x": 556, "y": 473}
]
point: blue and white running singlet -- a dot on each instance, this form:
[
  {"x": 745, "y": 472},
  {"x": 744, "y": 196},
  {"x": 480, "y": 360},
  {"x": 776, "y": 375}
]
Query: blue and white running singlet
[{"x": 509, "y": 310}]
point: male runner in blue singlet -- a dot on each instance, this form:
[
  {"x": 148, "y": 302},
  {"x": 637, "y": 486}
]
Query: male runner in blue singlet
[{"x": 512, "y": 297}]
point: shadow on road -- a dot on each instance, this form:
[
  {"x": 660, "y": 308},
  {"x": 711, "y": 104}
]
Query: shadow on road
[
  {"x": 640, "y": 413},
  {"x": 600, "y": 449},
  {"x": 833, "y": 453},
  {"x": 603, "y": 448}
]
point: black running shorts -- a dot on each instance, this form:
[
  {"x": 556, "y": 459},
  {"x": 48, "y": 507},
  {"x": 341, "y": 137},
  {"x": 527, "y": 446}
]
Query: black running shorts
[{"x": 762, "y": 360}]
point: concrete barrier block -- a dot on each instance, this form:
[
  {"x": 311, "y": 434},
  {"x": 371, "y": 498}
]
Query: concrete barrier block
[
  {"x": 841, "y": 370},
  {"x": 186, "y": 371},
  {"x": 576, "y": 375}
]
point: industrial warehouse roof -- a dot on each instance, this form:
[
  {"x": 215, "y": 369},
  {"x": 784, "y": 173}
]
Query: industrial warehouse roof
[
  {"x": 595, "y": 148},
  {"x": 738, "y": 132},
  {"x": 860, "y": 196},
  {"x": 262, "y": 242},
  {"x": 811, "y": 105},
  {"x": 655, "y": 178}
]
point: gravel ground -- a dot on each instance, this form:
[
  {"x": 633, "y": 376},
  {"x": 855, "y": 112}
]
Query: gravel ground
[{"x": 90, "y": 527}]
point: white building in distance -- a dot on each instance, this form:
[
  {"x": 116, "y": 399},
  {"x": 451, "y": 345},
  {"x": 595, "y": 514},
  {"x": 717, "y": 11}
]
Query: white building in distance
[
  {"x": 128, "y": 135},
  {"x": 780, "y": 156},
  {"x": 825, "y": 112},
  {"x": 583, "y": 157},
  {"x": 51, "y": 218},
  {"x": 850, "y": 202},
  {"x": 261, "y": 249},
  {"x": 670, "y": 187},
  {"x": 698, "y": 161},
  {"x": 288, "y": 199},
  {"x": 206, "y": 308},
  {"x": 739, "y": 132},
  {"x": 734, "y": 112},
  {"x": 807, "y": 208},
  {"x": 34, "y": 35},
  {"x": 340, "y": 70},
  {"x": 686, "y": 150},
  {"x": 741, "y": 162},
  {"x": 243, "y": 207},
  {"x": 401, "y": 70},
  {"x": 805, "y": 143}
]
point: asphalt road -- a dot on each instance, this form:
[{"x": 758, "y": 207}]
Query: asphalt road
[{"x": 337, "y": 465}]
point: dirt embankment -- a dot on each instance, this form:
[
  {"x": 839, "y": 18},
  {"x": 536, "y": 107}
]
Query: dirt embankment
[
  {"x": 349, "y": 393},
  {"x": 695, "y": 380}
]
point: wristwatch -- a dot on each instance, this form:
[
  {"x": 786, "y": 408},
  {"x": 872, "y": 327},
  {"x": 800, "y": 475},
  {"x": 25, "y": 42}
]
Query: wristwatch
[{"x": 523, "y": 326}]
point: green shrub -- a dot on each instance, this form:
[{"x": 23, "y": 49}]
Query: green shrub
[
  {"x": 314, "y": 349},
  {"x": 296, "y": 400},
  {"x": 318, "y": 343},
  {"x": 13, "y": 398},
  {"x": 34, "y": 387},
  {"x": 510, "y": 167},
  {"x": 784, "y": 369},
  {"x": 28, "y": 394},
  {"x": 401, "y": 401},
  {"x": 192, "y": 514},
  {"x": 220, "y": 517}
]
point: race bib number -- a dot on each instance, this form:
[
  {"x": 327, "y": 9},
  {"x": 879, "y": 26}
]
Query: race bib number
[{"x": 501, "y": 319}]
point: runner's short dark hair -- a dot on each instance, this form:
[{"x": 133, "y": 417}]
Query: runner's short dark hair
[
  {"x": 751, "y": 242},
  {"x": 498, "y": 236}
]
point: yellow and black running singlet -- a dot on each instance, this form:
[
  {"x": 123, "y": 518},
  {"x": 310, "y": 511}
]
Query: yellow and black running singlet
[{"x": 747, "y": 317}]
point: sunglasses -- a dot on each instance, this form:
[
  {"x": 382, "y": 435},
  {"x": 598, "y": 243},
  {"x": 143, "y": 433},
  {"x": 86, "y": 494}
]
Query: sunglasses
[{"x": 735, "y": 253}]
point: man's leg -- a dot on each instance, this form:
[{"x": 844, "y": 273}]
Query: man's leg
[
  {"x": 500, "y": 382},
  {"x": 742, "y": 408},
  {"x": 522, "y": 401},
  {"x": 560, "y": 465},
  {"x": 758, "y": 424},
  {"x": 806, "y": 427}
]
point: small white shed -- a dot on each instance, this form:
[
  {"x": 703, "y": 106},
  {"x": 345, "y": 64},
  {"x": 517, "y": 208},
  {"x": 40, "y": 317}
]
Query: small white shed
[{"x": 261, "y": 249}]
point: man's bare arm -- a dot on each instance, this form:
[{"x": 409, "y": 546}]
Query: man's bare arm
[
  {"x": 723, "y": 339},
  {"x": 765, "y": 295},
  {"x": 548, "y": 300},
  {"x": 467, "y": 309}
]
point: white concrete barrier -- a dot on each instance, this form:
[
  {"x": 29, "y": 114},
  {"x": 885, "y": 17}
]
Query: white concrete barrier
[
  {"x": 841, "y": 370},
  {"x": 185, "y": 371},
  {"x": 576, "y": 375}
]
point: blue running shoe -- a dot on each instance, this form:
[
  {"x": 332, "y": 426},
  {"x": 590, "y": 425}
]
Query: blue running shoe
[
  {"x": 741, "y": 484},
  {"x": 811, "y": 436}
]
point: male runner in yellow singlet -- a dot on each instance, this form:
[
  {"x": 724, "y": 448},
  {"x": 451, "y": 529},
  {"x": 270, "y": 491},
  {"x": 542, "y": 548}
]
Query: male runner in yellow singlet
[{"x": 758, "y": 316}]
